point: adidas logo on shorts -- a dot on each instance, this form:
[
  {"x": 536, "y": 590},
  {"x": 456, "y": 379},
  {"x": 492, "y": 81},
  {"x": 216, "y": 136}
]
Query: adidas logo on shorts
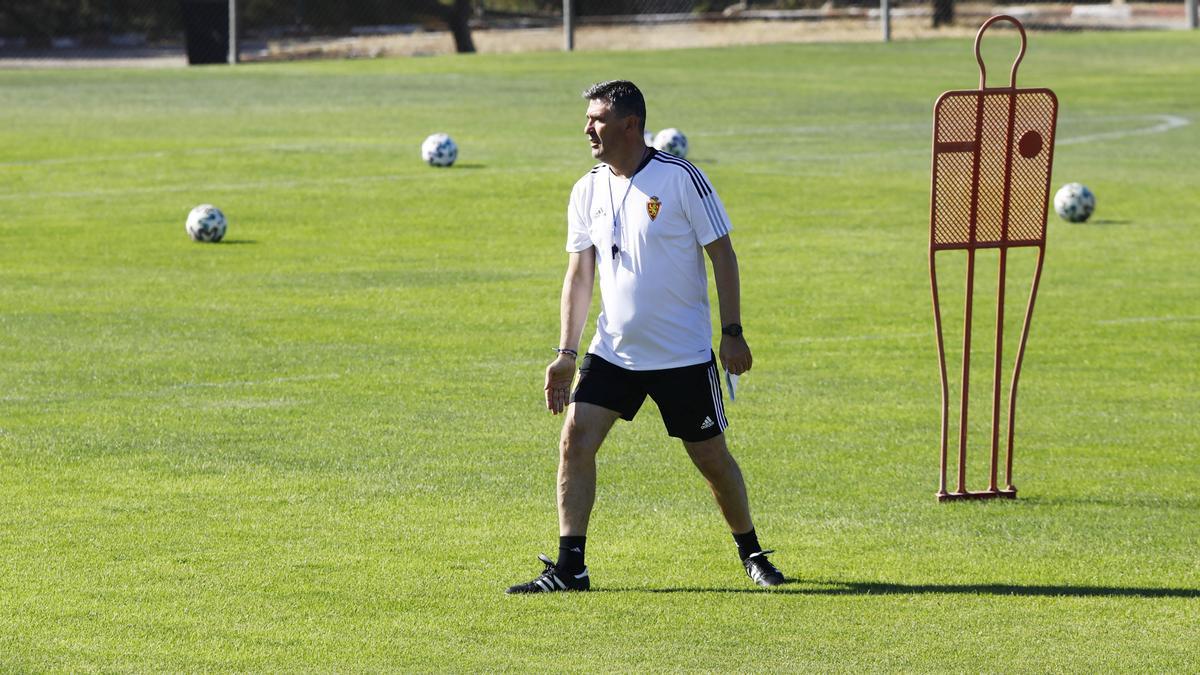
[{"x": 707, "y": 423}]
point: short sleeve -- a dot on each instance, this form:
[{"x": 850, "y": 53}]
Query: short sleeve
[
  {"x": 705, "y": 211},
  {"x": 578, "y": 237}
]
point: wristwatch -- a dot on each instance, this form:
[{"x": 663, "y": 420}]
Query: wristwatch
[{"x": 732, "y": 330}]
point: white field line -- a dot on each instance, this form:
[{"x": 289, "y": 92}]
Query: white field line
[
  {"x": 199, "y": 152},
  {"x": 217, "y": 187},
  {"x": 341, "y": 145},
  {"x": 853, "y": 338},
  {"x": 160, "y": 391},
  {"x": 1165, "y": 123},
  {"x": 907, "y": 336},
  {"x": 257, "y": 383},
  {"x": 793, "y": 130},
  {"x": 1146, "y": 319},
  {"x": 1161, "y": 124}
]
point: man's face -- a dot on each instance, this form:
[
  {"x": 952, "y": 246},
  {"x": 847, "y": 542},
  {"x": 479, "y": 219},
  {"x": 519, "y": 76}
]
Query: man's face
[{"x": 605, "y": 130}]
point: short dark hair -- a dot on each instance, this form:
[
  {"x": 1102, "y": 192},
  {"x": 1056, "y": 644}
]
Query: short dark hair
[{"x": 622, "y": 96}]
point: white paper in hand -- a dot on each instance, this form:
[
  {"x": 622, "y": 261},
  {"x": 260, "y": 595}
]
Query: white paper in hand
[{"x": 731, "y": 384}]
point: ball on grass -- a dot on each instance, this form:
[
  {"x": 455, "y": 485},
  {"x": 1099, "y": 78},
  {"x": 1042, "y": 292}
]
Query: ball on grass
[
  {"x": 206, "y": 223},
  {"x": 672, "y": 141},
  {"x": 439, "y": 150},
  {"x": 1074, "y": 202}
]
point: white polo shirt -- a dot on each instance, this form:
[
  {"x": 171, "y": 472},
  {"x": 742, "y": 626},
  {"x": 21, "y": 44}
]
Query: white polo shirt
[{"x": 654, "y": 311}]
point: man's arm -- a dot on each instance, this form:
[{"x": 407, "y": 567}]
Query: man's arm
[
  {"x": 734, "y": 352},
  {"x": 573, "y": 311}
]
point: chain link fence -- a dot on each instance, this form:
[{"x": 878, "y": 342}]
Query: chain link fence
[{"x": 289, "y": 29}]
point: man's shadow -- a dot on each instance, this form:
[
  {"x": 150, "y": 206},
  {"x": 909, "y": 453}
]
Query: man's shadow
[{"x": 882, "y": 588}]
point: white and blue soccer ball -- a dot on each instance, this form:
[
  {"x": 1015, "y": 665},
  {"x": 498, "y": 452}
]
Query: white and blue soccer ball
[
  {"x": 206, "y": 223},
  {"x": 1074, "y": 202},
  {"x": 672, "y": 141},
  {"x": 439, "y": 150}
]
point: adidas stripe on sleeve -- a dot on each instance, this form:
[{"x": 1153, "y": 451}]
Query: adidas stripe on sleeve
[{"x": 705, "y": 211}]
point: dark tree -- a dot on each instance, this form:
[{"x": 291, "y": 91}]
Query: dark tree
[
  {"x": 943, "y": 12},
  {"x": 457, "y": 17}
]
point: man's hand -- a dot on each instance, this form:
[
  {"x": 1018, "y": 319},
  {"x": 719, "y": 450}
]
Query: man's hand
[
  {"x": 735, "y": 354},
  {"x": 559, "y": 375}
]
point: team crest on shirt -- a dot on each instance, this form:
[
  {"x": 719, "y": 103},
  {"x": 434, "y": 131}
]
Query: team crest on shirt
[{"x": 653, "y": 206}]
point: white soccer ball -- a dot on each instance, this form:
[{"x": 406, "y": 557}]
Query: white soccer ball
[
  {"x": 672, "y": 141},
  {"x": 1074, "y": 202},
  {"x": 206, "y": 223},
  {"x": 439, "y": 150}
]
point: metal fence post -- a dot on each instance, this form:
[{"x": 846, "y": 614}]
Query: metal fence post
[
  {"x": 1191, "y": 14},
  {"x": 568, "y": 25},
  {"x": 233, "y": 33},
  {"x": 885, "y": 18}
]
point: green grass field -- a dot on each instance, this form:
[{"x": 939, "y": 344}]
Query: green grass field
[{"x": 321, "y": 444}]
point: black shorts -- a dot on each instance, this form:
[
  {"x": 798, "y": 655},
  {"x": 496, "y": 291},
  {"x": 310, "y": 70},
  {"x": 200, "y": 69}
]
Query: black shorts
[{"x": 689, "y": 397}]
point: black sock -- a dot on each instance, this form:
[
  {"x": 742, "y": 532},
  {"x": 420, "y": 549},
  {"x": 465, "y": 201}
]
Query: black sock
[
  {"x": 570, "y": 554},
  {"x": 747, "y": 544}
]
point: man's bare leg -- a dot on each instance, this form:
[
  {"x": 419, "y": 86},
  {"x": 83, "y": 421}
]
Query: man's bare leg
[
  {"x": 724, "y": 478},
  {"x": 583, "y": 431}
]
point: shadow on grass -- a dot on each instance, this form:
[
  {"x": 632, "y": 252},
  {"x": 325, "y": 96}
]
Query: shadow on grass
[
  {"x": 880, "y": 588},
  {"x": 237, "y": 242}
]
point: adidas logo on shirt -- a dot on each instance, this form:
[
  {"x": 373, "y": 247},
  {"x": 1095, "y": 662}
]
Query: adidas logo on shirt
[{"x": 707, "y": 423}]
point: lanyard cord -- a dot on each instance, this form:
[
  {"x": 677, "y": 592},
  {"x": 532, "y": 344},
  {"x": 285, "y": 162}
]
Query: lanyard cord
[
  {"x": 617, "y": 213},
  {"x": 616, "y": 249}
]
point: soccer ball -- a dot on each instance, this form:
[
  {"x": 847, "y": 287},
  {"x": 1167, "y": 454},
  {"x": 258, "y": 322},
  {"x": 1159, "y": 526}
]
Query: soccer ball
[
  {"x": 649, "y": 136},
  {"x": 206, "y": 223},
  {"x": 439, "y": 150},
  {"x": 672, "y": 141},
  {"x": 1074, "y": 202}
]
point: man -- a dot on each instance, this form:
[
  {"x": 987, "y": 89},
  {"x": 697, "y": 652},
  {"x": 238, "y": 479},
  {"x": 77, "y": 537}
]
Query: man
[{"x": 641, "y": 218}]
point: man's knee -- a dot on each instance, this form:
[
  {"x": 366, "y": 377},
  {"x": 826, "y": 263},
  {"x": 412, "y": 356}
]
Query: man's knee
[
  {"x": 573, "y": 442},
  {"x": 582, "y": 433},
  {"x": 709, "y": 453}
]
